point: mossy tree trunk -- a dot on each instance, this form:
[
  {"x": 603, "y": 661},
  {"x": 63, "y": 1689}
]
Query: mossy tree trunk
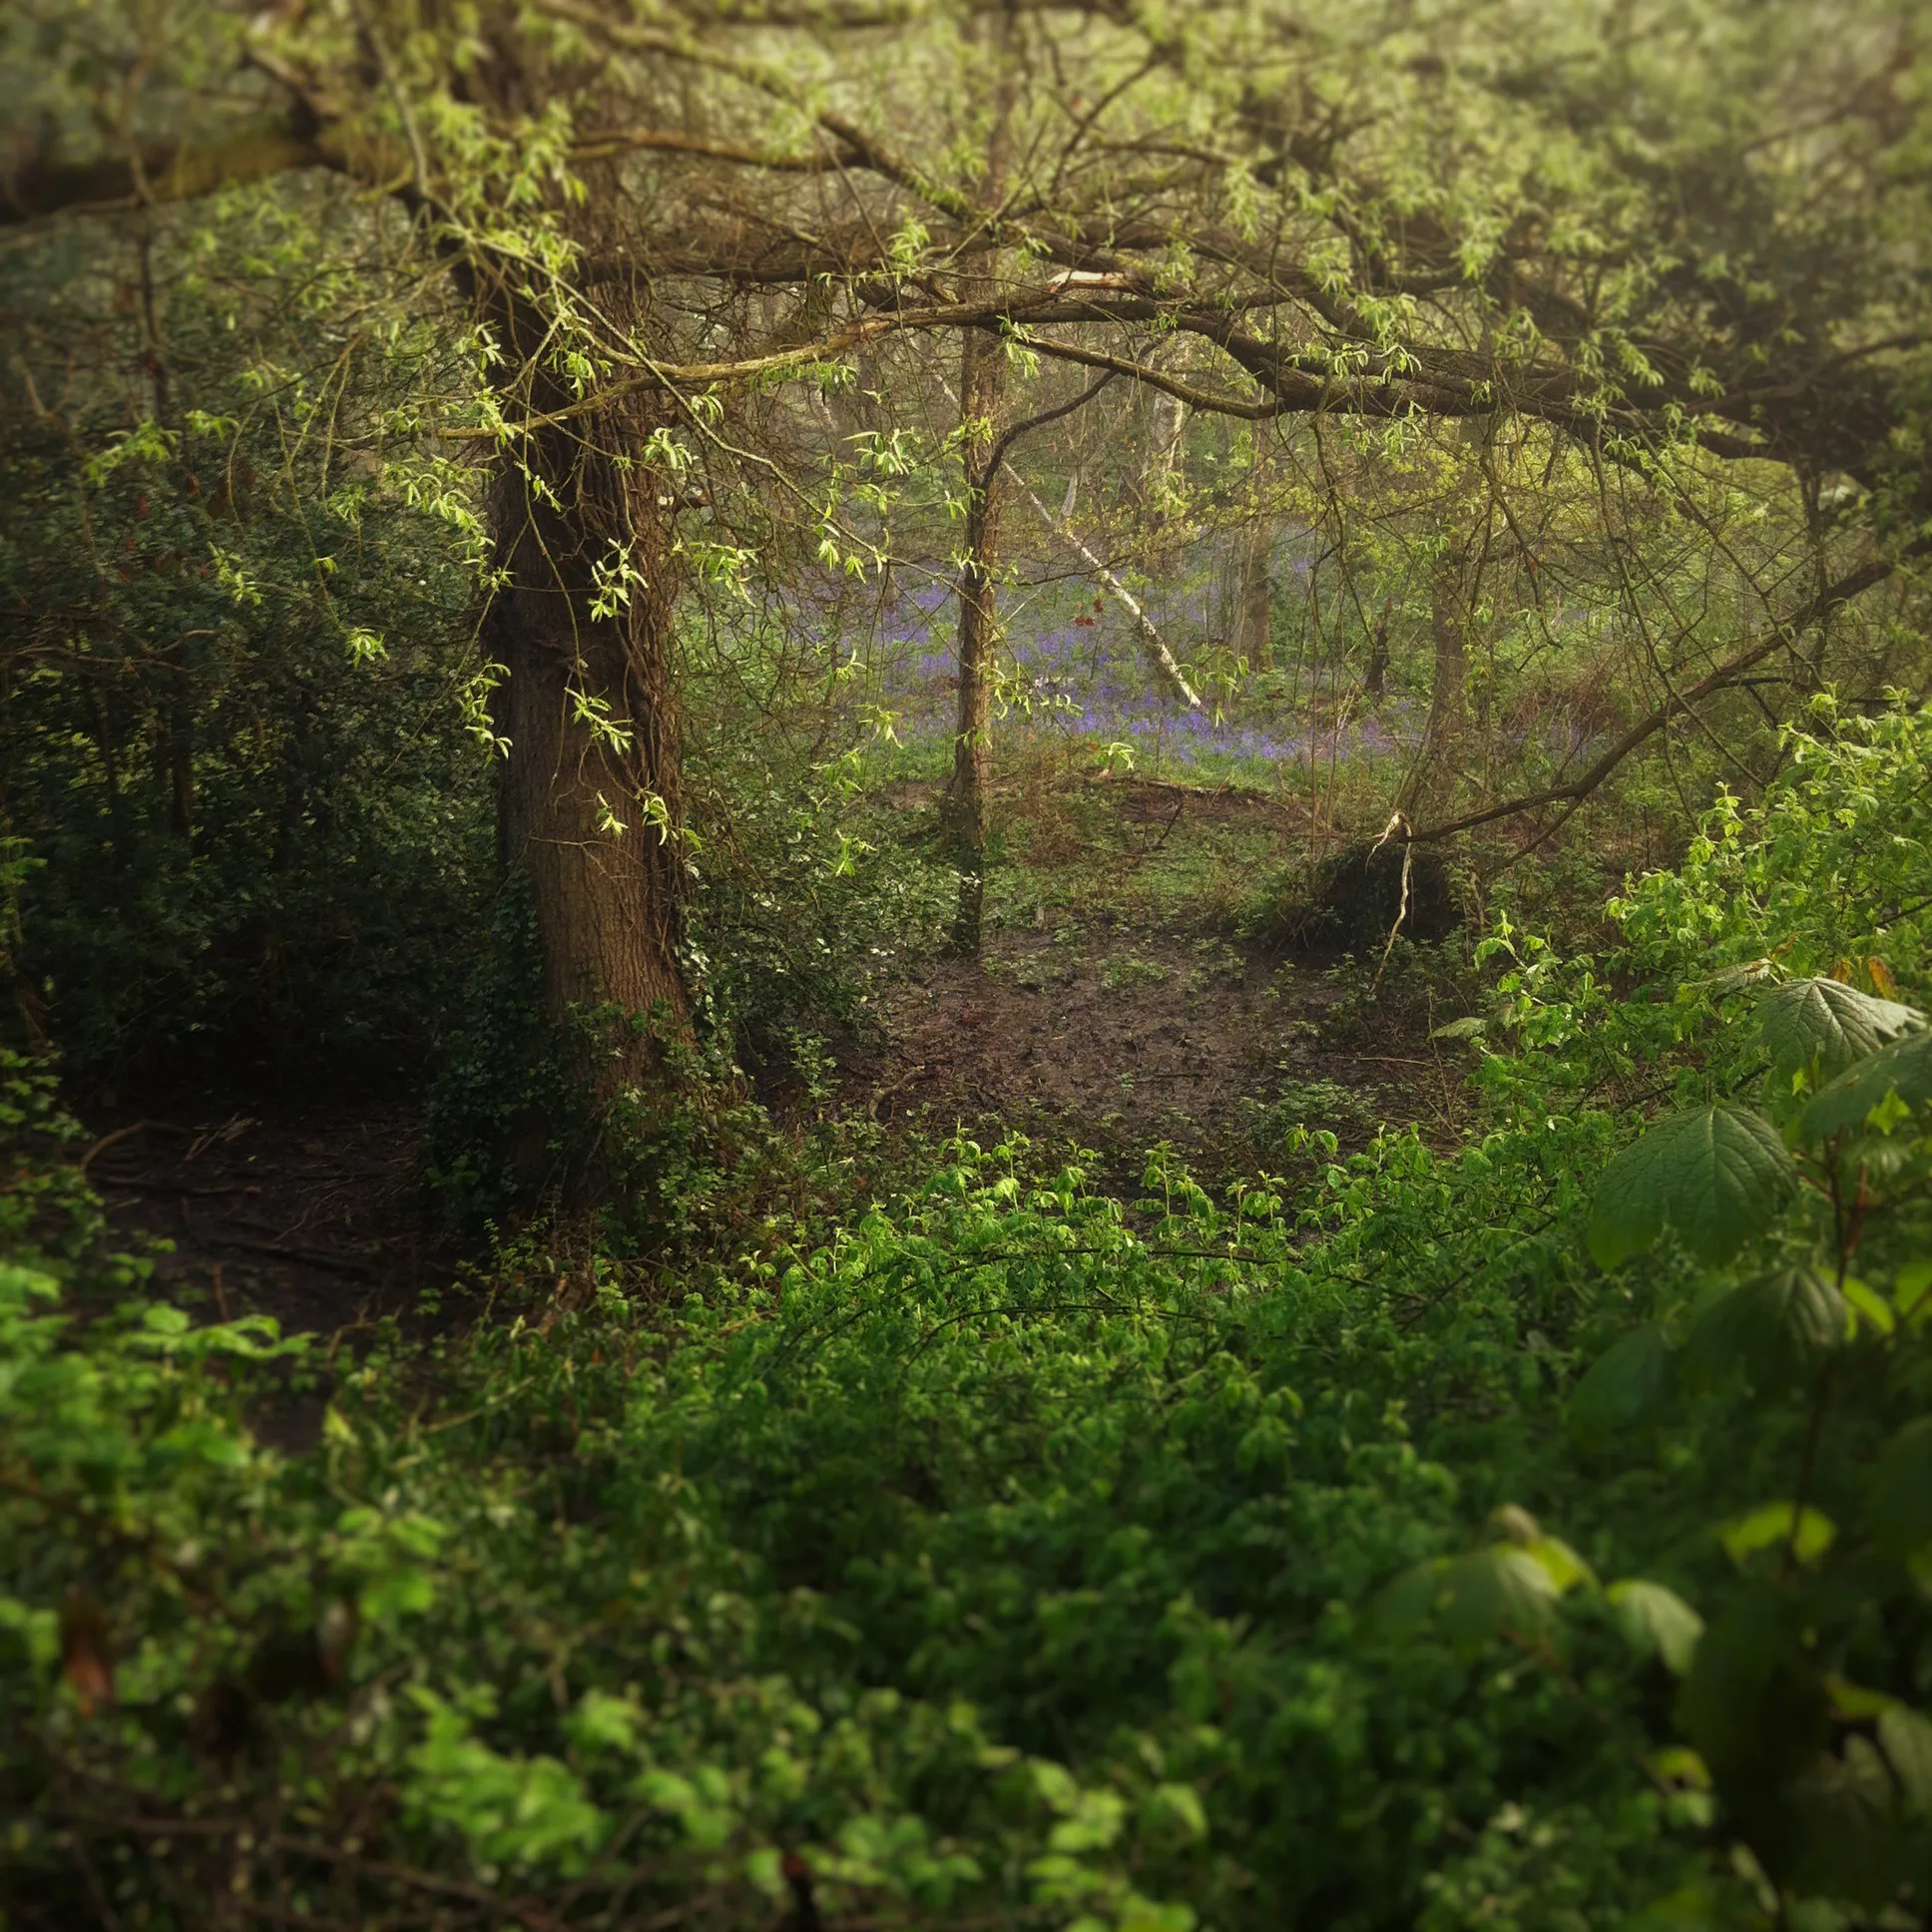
[{"x": 1255, "y": 608}]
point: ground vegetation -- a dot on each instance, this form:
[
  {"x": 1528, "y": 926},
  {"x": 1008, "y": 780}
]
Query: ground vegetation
[{"x": 966, "y": 965}]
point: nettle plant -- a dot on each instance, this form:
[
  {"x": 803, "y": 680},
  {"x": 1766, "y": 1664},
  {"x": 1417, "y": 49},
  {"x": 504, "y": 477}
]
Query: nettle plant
[{"x": 1789, "y": 1354}]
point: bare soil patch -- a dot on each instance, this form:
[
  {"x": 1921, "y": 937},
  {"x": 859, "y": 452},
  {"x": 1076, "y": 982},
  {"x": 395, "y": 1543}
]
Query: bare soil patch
[
  {"x": 311, "y": 1213},
  {"x": 1116, "y": 1003}
]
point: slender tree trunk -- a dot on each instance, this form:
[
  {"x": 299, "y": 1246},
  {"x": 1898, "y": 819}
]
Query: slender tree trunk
[
  {"x": 1375, "y": 681},
  {"x": 588, "y": 794},
  {"x": 176, "y": 735},
  {"x": 982, "y": 412},
  {"x": 1254, "y": 607},
  {"x": 982, "y": 399},
  {"x": 1432, "y": 777},
  {"x": 1159, "y": 656}
]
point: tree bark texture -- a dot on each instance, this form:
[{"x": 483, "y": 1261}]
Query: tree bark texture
[
  {"x": 588, "y": 794},
  {"x": 1375, "y": 680}
]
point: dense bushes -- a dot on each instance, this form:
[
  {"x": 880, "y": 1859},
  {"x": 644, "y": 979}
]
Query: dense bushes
[
  {"x": 1016, "y": 1555},
  {"x": 233, "y": 737}
]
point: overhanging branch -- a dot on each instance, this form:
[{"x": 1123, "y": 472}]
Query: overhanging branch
[
  {"x": 166, "y": 170},
  {"x": 1731, "y": 671}
]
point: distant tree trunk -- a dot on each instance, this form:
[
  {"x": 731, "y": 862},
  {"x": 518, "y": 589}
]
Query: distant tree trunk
[
  {"x": 1432, "y": 777},
  {"x": 176, "y": 739},
  {"x": 982, "y": 399},
  {"x": 588, "y": 796},
  {"x": 1375, "y": 680},
  {"x": 982, "y": 409},
  {"x": 1255, "y": 608},
  {"x": 1169, "y": 420}
]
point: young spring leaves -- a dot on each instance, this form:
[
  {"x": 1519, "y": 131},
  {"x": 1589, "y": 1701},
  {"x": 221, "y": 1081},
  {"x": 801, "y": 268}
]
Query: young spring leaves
[
  {"x": 1717, "y": 1174},
  {"x": 1509, "y": 1586},
  {"x": 1657, "y": 1621}
]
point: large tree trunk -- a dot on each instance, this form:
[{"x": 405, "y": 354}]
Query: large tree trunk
[
  {"x": 588, "y": 798},
  {"x": 982, "y": 399}
]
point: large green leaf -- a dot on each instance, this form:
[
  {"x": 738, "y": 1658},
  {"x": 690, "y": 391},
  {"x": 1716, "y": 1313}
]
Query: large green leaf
[
  {"x": 1906, "y": 1065},
  {"x": 1754, "y": 1704},
  {"x": 1825, "y": 1023},
  {"x": 1777, "y": 1329},
  {"x": 1405, "y": 1604},
  {"x": 1658, "y": 1622},
  {"x": 1501, "y": 1587},
  {"x": 1907, "y": 1739},
  {"x": 1471, "y": 1599},
  {"x": 1623, "y": 1387},
  {"x": 1839, "y": 1831},
  {"x": 1715, "y": 1174},
  {"x": 1901, "y": 1489}
]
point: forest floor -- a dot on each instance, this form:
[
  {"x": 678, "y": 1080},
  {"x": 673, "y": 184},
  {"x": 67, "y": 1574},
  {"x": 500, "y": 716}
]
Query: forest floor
[
  {"x": 311, "y": 1211},
  {"x": 1130, "y": 991},
  {"x": 1128, "y": 994}
]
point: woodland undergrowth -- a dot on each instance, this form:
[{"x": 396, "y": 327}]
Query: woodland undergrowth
[{"x": 1538, "y": 1534}]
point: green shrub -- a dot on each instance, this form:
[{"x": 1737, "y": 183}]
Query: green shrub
[{"x": 1435, "y": 1547}]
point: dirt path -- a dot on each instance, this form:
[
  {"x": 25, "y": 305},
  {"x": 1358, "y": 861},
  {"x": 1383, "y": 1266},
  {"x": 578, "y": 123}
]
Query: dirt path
[{"x": 1117, "y": 1004}]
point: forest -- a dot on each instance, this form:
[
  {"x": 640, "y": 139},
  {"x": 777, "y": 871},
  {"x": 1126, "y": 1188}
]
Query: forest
[{"x": 965, "y": 964}]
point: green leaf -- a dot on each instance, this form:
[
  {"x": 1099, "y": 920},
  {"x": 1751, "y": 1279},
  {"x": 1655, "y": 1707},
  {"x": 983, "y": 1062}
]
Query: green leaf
[
  {"x": 1826, "y": 1023},
  {"x": 1469, "y": 1028},
  {"x": 1837, "y": 1834},
  {"x": 1754, "y": 1704},
  {"x": 1905, "y": 1067},
  {"x": 1770, "y": 1523},
  {"x": 1403, "y": 1605},
  {"x": 1715, "y": 1174},
  {"x": 1560, "y": 1564},
  {"x": 1776, "y": 1328},
  {"x": 1181, "y": 1807},
  {"x": 1905, "y": 1737},
  {"x": 1871, "y": 1308},
  {"x": 1475, "y": 1598},
  {"x": 1498, "y": 1588},
  {"x": 1855, "y": 1702},
  {"x": 1623, "y": 1387},
  {"x": 1909, "y": 1285},
  {"x": 1658, "y": 1622},
  {"x": 1900, "y": 1499}
]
